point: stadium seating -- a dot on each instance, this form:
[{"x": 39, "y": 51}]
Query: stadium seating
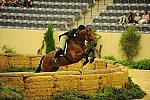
[
  {"x": 60, "y": 13},
  {"x": 107, "y": 19}
]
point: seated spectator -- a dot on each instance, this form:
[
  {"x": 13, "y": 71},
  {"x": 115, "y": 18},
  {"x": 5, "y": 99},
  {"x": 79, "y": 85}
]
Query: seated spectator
[
  {"x": 24, "y": 3},
  {"x": 15, "y": 3},
  {"x": 27, "y": 3},
  {"x": 126, "y": 19},
  {"x": 137, "y": 17},
  {"x": 3, "y": 3},
  {"x": 30, "y": 3},
  {"x": 145, "y": 18}
]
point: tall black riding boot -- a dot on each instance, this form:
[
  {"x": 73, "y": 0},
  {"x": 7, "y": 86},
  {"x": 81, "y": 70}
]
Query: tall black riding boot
[{"x": 57, "y": 54}]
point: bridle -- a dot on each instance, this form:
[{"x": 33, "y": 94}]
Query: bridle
[
  {"x": 88, "y": 34},
  {"x": 82, "y": 43}
]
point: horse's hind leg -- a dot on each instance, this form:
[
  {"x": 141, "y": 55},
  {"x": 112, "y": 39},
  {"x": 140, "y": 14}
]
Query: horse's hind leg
[{"x": 53, "y": 69}]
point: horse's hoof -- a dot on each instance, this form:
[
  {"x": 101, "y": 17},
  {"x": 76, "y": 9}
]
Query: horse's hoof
[
  {"x": 85, "y": 62},
  {"x": 92, "y": 59}
]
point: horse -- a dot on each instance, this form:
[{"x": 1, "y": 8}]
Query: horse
[{"x": 74, "y": 53}]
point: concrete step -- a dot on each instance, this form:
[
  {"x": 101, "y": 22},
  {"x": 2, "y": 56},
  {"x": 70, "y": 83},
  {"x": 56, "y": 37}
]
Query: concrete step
[{"x": 96, "y": 9}]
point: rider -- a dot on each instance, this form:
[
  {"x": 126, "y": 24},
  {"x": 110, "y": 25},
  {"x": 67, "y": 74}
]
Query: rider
[{"x": 63, "y": 39}]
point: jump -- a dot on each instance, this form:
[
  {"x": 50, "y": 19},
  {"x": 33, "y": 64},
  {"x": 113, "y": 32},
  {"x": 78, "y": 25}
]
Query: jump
[{"x": 75, "y": 51}]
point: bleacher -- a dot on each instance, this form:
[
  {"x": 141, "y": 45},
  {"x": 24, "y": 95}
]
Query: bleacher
[
  {"x": 60, "y": 13},
  {"x": 107, "y": 20}
]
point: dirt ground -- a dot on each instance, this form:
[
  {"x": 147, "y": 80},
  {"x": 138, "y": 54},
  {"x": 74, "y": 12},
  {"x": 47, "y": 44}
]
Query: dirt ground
[{"x": 142, "y": 78}]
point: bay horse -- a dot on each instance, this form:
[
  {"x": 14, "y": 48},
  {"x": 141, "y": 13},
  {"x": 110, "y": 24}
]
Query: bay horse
[{"x": 75, "y": 52}]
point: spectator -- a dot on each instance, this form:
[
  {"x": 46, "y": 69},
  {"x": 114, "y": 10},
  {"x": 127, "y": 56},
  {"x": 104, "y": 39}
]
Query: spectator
[
  {"x": 137, "y": 17},
  {"x": 24, "y": 3},
  {"x": 15, "y": 3},
  {"x": 3, "y": 3},
  {"x": 128, "y": 19},
  {"x": 145, "y": 18},
  {"x": 30, "y": 3}
]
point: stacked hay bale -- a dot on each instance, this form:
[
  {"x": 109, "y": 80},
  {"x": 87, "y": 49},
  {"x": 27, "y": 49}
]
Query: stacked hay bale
[
  {"x": 35, "y": 60},
  {"x": 19, "y": 61},
  {"x": 87, "y": 79},
  {"x": 66, "y": 82},
  {"x": 111, "y": 64},
  {"x": 39, "y": 87},
  {"x": 12, "y": 81},
  {"x": 3, "y": 60},
  {"x": 100, "y": 63},
  {"x": 73, "y": 67},
  {"x": 89, "y": 83}
]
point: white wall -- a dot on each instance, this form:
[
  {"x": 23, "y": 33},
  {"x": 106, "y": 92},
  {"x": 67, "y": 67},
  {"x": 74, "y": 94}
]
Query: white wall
[{"x": 29, "y": 41}]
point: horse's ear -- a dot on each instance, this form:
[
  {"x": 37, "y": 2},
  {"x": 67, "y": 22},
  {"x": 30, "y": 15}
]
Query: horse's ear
[{"x": 90, "y": 29}]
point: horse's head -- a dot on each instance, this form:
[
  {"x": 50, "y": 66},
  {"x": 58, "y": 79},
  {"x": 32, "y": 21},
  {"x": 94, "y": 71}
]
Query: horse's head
[
  {"x": 86, "y": 34},
  {"x": 89, "y": 36}
]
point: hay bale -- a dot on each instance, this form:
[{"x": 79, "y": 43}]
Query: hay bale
[
  {"x": 109, "y": 65},
  {"x": 3, "y": 61},
  {"x": 90, "y": 77},
  {"x": 100, "y": 63},
  {"x": 89, "y": 83},
  {"x": 86, "y": 72},
  {"x": 39, "y": 92},
  {"x": 75, "y": 67},
  {"x": 89, "y": 66},
  {"x": 66, "y": 77},
  {"x": 67, "y": 85},
  {"x": 12, "y": 81},
  {"x": 35, "y": 60},
  {"x": 102, "y": 71},
  {"x": 68, "y": 73},
  {"x": 119, "y": 79},
  {"x": 39, "y": 79},
  {"x": 66, "y": 82},
  {"x": 63, "y": 68},
  {"x": 36, "y": 85},
  {"x": 19, "y": 60}
]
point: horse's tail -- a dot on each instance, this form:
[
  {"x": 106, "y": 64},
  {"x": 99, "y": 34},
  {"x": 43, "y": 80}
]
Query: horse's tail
[{"x": 39, "y": 68}]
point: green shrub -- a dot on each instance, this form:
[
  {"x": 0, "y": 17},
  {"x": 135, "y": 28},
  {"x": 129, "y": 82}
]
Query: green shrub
[
  {"x": 72, "y": 95},
  {"x": 17, "y": 69},
  {"x": 49, "y": 40},
  {"x": 128, "y": 63},
  {"x": 7, "y": 49},
  {"x": 142, "y": 64},
  {"x": 131, "y": 91},
  {"x": 129, "y": 42},
  {"x": 109, "y": 58},
  {"x": 134, "y": 90},
  {"x": 10, "y": 93}
]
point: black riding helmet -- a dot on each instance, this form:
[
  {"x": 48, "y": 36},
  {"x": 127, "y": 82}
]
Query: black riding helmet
[{"x": 81, "y": 27}]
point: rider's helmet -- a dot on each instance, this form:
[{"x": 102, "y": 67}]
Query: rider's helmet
[{"x": 81, "y": 27}]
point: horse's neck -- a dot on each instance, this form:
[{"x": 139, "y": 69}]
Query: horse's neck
[{"x": 74, "y": 49}]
